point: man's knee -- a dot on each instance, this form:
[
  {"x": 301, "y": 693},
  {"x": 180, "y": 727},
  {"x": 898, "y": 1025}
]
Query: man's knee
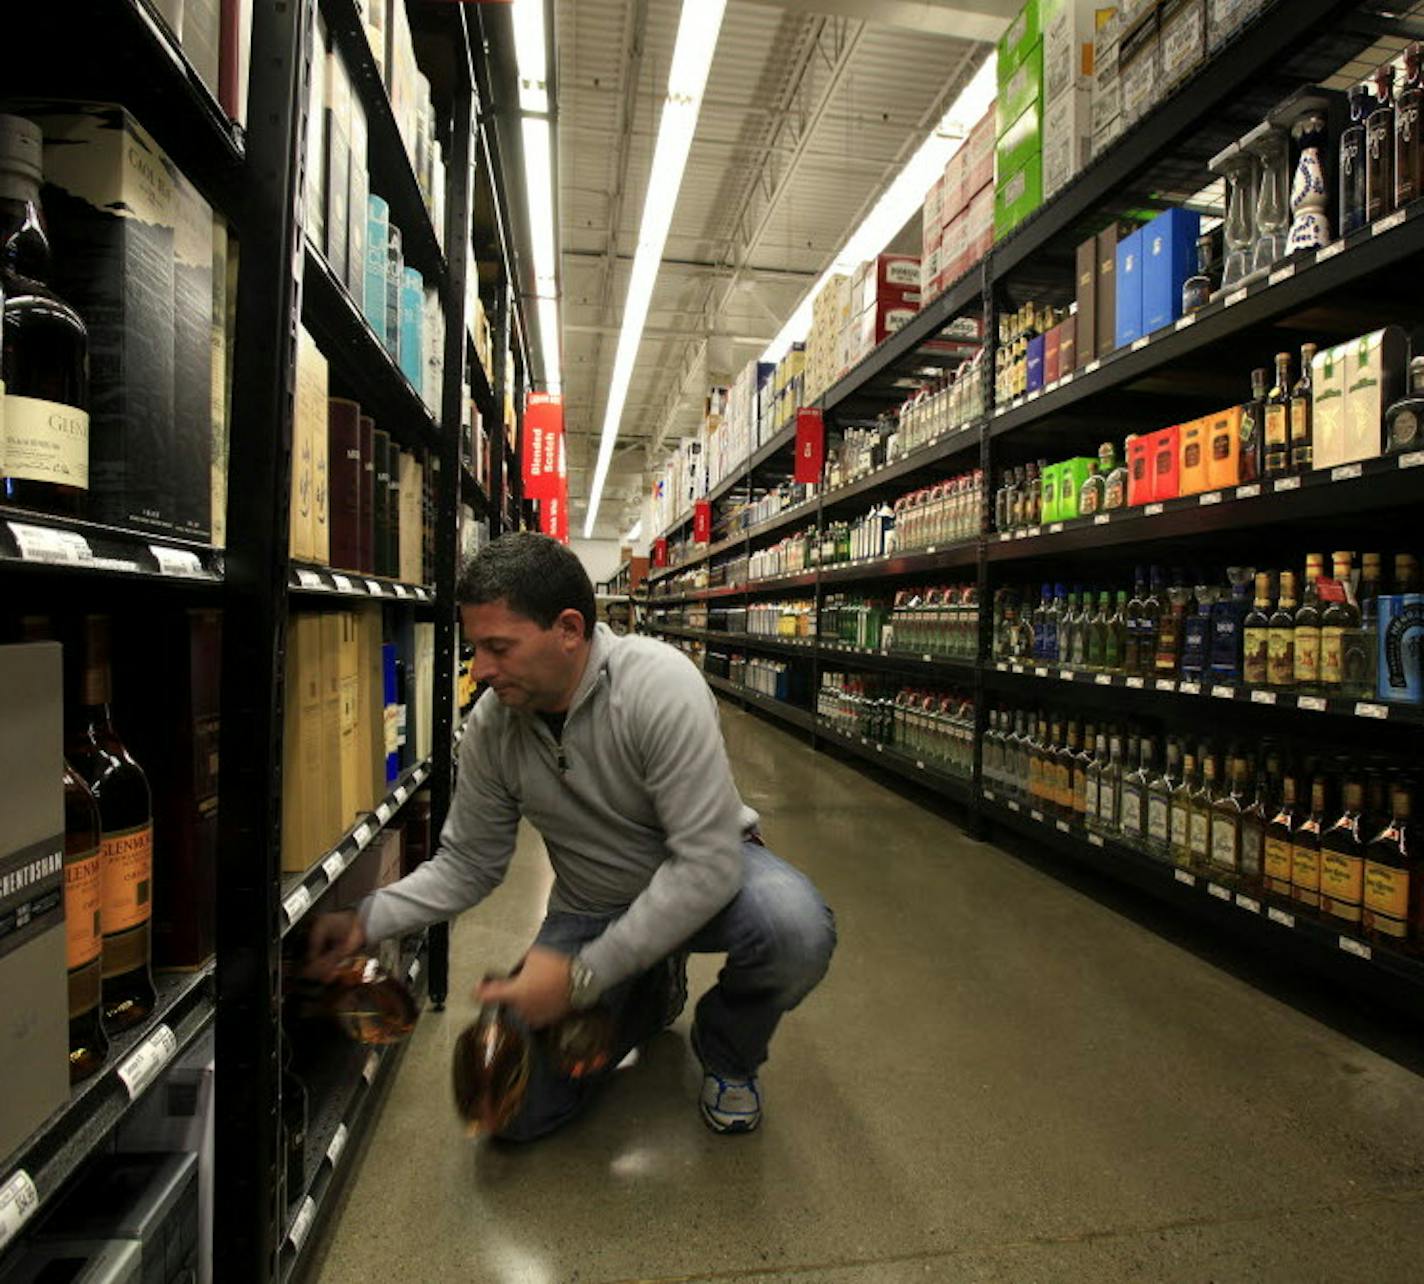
[{"x": 800, "y": 939}]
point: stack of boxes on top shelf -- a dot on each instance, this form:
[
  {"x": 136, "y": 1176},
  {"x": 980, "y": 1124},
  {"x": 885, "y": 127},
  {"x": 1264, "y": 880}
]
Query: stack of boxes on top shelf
[
  {"x": 884, "y": 297},
  {"x": 961, "y": 205},
  {"x": 1068, "y": 28},
  {"x": 827, "y": 343},
  {"x": 1018, "y": 121}
]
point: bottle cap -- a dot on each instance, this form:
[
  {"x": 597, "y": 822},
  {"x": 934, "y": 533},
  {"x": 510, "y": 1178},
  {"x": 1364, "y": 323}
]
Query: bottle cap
[{"x": 21, "y": 147}]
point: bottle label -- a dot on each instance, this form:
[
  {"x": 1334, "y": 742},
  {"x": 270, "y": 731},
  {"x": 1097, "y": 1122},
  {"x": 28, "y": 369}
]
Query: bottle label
[
  {"x": 1275, "y": 425},
  {"x": 1300, "y": 421},
  {"x": 1387, "y": 898},
  {"x": 1223, "y": 843},
  {"x": 1131, "y": 809},
  {"x": 1305, "y": 873},
  {"x": 1191, "y": 457},
  {"x": 46, "y": 441},
  {"x": 1404, "y": 430},
  {"x": 1251, "y": 850},
  {"x": 1280, "y": 660},
  {"x": 1200, "y": 835},
  {"x": 1307, "y": 656},
  {"x": 1278, "y": 865},
  {"x": 1255, "y": 656},
  {"x": 1179, "y": 827},
  {"x": 1332, "y": 663},
  {"x": 128, "y": 878},
  {"x": 1342, "y": 879},
  {"x": 1158, "y": 819},
  {"x": 83, "y": 901},
  {"x": 1220, "y": 445}
]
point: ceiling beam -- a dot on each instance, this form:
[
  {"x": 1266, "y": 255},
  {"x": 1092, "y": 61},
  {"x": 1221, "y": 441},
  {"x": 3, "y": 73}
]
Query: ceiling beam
[
  {"x": 699, "y": 267},
  {"x": 758, "y": 341},
  {"x": 962, "y": 19}
]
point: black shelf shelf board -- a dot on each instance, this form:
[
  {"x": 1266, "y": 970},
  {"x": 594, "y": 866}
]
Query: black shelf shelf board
[
  {"x": 1208, "y": 695},
  {"x": 1304, "y": 282},
  {"x": 309, "y": 579},
  {"x": 1365, "y": 489},
  {"x": 920, "y": 562},
  {"x": 36, "y": 543},
  {"x": 77, "y": 1130},
  {"x": 392, "y": 171},
  {"x": 789, "y": 713},
  {"x": 771, "y": 449},
  {"x": 1188, "y": 888},
  {"x": 802, "y": 647},
  {"x": 929, "y": 666},
  {"x": 954, "y": 442},
  {"x": 896, "y": 762},
  {"x": 360, "y": 362},
  {"x": 300, "y": 892},
  {"x": 472, "y": 493},
  {"x": 481, "y": 388},
  {"x": 874, "y": 377},
  {"x": 776, "y": 583}
]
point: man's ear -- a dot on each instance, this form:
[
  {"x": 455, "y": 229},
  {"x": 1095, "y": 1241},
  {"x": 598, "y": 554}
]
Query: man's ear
[{"x": 570, "y": 624}]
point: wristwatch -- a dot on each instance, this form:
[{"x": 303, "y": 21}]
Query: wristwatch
[{"x": 583, "y": 985}]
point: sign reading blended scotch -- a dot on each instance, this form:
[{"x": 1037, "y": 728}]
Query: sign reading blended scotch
[{"x": 543, "y": 444}]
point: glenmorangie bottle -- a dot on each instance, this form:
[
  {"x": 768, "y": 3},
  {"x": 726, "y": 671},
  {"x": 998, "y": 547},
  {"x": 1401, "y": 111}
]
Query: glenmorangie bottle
[
  {"x": 83, "y": 926},
  {"x": 126, "y": 824}
]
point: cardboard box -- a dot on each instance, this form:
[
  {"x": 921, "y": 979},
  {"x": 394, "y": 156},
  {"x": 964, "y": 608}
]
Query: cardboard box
[
  {"x": 1018, "y": 143},
  {"x": 979, "y": 157},
  {"x": 1327, "y": 377},
  {"x": 1166, "y": 463},
  {"x": 877, "y": 324},
  {"x": 302, "y": 760},
  {"x": 1068, "y": 47},
  {"x": 1128, "y": 305},
  {"x": 1019, "y": 91},
  {"x": 301, "y": 532},
  {"x": 1085, "y": 284},
  {"x": 1140, "y": 69},
  {"x": 1052, "y": 353},
  {"x": 1374, "y": 380},
  {"x": 1067, "y": 139},
  {"x": 1193, "y": 450},
  {"x": 1224, "y": 455},
  {"x": 1107, "y": 45},
  {"x": 953, "y": 192},
  {"x": 191, "y": 458},
  {"x": 1016, "y": 199},
  {"x": 884, "y": 275},
  {"x": 979, "y": 228},
  {"x": 1072, "y": 473},
  {"x": 1023, "y": 34},
  {"x": 1183, "y": 39},
  {"x": 1169, "y": 258},
  {"x": 1105, "y": 292},
  {"x": 34, "y": 1038},
  {"x": 1139, "y": 470},
  {"x": 1068, "y": 330},
  {"x": 1105, "y": 112},
  {"x": 1034, "y": 364},
  {"x": 1106, "y": 136},
  {"x": 932, "y": 213}
]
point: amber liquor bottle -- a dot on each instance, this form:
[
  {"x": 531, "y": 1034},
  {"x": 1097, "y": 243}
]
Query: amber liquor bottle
[
  {"x": 1276, "y": 869},
  {"x": 1394, "y": 893},
  {"x": 1302, "y": 445},
  {"x": 83, "y": 929},
  {"x": 1305, "y": 846},
  {"x": 121, "y": 793},
  {"x": 1253, "y": 826},
  {"x": 1280, "y": 646},
  {"x": 1406, "y": 130},
  {"x": 1379, "y": 148},
  {"x": 1253, "y": 429},
  {"x": 1277, "y": 448},
  {"x": 1307, "y": 627},
  {"x": 1256, "y": 633},
  {"x": 1342, "y": 860}
]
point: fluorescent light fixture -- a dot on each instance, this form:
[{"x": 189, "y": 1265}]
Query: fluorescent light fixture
[
  {"x": 531, "y": 55},
  {"x": 697, "y": 30},
  {"x": 901, "y": 199},
  {"x": 539, "y": 195},
  {"x": 635, "y": 532}
]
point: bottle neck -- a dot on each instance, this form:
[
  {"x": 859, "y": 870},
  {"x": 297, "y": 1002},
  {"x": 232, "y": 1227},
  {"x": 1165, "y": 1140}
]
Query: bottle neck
[{"x": 24, "y": 245}]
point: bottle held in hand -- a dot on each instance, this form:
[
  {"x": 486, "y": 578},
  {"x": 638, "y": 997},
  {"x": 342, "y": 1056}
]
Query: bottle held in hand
[
  {"x": 490, "y": 1072},
  {"x": 369, "y": 1004}
]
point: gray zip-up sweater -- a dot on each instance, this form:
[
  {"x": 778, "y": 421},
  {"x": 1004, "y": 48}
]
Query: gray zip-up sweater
[{"x": 637, "y": 808}]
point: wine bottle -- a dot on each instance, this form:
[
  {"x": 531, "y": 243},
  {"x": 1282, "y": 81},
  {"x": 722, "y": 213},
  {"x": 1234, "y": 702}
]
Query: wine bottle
[
  {"x": 44, "y": 369},
  {"x": 121, "y": 793},
  {"x": 83, "y": 897}
]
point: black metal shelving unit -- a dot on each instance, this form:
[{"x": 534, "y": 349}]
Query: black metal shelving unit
[
  {"x": 1195, "y": 365},
  {"x": 122, "y": 51}
]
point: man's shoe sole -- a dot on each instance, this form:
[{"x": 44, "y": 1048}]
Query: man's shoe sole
[{"x": 727, "y": 1129}]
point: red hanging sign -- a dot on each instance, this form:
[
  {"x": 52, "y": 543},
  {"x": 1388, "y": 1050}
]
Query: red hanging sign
[
  {"x": 702, "y": 521},
  {"x": 554, "y": 517},
  {"x": 543, "y": 444},
  {"x": 810, "y": 446},
  {"x": 660, "y": 552}
]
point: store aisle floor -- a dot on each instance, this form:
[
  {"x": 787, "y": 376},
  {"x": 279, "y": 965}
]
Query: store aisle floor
[{"x": 1001, "y": 1079}]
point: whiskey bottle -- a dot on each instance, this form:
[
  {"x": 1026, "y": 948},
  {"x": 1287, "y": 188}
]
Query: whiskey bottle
[
  {"x": 1277, "y": 451},
  {"x": 1339, "y": 616},
  {"x": 1115, "y": 483},
  {"x": 1302, "y": 396},
  {"x": 1256, "y": 632},
  {"x": 1203, "y": 797},
  {"x": 1253, "y": 429},
  {"x": 1359, "y": 644},
  {"x": 1227, "y": 815},
  {"x": 1093, "y": 490},
  {"x": 1352, "y": 161},
  {"x": 1394, "y": 891},
  {"x": 1172, "y": 627},
  {"x": 44, "y": 363},
  {"x": 1305, "y": 846},
  {"x": 1403, "y": 420},
  {"x": 1253, "y": 825},
  {"x": 490, "y": 1071},
  {"x": 1342, "y": 860},
  {"x": 1307, "y": 627},
  {"x": 1379, "y": 147},
  {"x": 1280, "y": 834},
  {"x": 84, "y": 933},
  {"x": 1280, "y": 659},
  {"x": 121, "y": 793},
  {"x": 1158, "y": 839},
  {"x": 1406, "y": 130}
]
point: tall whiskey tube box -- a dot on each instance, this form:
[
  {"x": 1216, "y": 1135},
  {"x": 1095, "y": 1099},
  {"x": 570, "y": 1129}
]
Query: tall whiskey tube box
[{"x": 191, "y": 460}]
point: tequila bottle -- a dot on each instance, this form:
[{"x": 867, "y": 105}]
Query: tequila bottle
[
  {"x": 1082, "y": 761},
  {"x": 1172, "y": 627},
  {"x": 1302, "y": 447},
  {"x": 1133, "y": 813},
  {"x": 1406, "y": 130},
  {"x": 1394, "y": 889},
  {"x": 1253, "y": 429},
  {"x": 1277, "y": 457},
  {"x": 1307, "y": 627},
  {"x": 1132, "y": 623},
  {"x": 1253, "y": 825},
  {"x": 1110, "y": 789},
  {"x": 1342, "y": 859},
  {"x": 1280, "y": 834},
  {"x": 1159, "y": 803},
  {"x": 1201, "y": 802},
  {"x": 1352, "y": 161},
  {"x": 1339, "y": 617},
  {"x": 1379, "y": 148},
  {"x": 1227, "y": 815},
  {"x": 1115, "y": 637},
  {"x": 1098, "y": 634},
  {"x": 1256, "y": 632},
  {"x": 1305, "y": 846},
  {"x": 1093, "y": 785},
  {"x": 1359, "y": 644},
  {"x": 1180, "y": 816},
  {"x": 1280, "y": 660},
  {"x": 1067, "y": 758}
]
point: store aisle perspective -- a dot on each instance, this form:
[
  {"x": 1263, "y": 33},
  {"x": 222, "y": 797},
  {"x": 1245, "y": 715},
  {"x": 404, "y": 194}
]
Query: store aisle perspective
[{"x": 1001, "y": 1078}]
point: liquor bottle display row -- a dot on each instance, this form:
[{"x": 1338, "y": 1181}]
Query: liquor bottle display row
[
  {"x": 1350, "y": 633},
  {"x": 1326, "y": 834},
  {"x": 119, "y": 309},
  {"x": 930, "y": 725},
  {"x": 942, "y": 622}
]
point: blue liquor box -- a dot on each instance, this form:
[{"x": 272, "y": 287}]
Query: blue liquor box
[
  {"x": 1129, "y": 289},
  {"x": 1169, "y": 248}
]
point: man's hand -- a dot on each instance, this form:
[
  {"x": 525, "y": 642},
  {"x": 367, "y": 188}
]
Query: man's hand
[
  {"x": 540, "y": 991},
  {"x": 334, "y": 938}
]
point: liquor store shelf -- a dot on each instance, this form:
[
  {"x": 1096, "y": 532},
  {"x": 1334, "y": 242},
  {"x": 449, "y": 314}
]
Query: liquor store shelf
[
  {"x": 56, "y": 1150},
  {"x": 361, "y": 365},
  {"x": 791, "y": 713},
  {"x": 306, "y": 577},
  {"x": 900, "y": 764},
  {"x": 841, "y": 651},
  {"x": 1012, "y": 673},
  {"x": 1165, "y": 879},
  {"x": 473, "y": 493},
  {"x": 337, "y": 1121},
  {"x": 301, "y": 891},
  {"x": 39, "y": 542}
]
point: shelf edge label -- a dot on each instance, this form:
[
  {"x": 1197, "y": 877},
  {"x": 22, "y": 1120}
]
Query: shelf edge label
[
  {"x": 1187, "y": 880},
  {"x": 18, "y": 1201},
  {"x": 1235, "y": 297},
  {"x": 309, "y": 579},
  {"x": 1223, "y": 693},
  {"x": 296, "y": 904},
  {"x": 1280, "y": 916},
  {"x": 44, "y": 544},
  {"x": 141, "y": 1066},
  {"x": 1063, "y": 827},
  {"x": 1152, "y": 510},
  {"x": 1281, "y": 274},
  {"x": 333, "y": 866},
  {"x": 1217, "y": 890},
  {"x": 1358, "y": 948},
  {"x": 1388, "y": 225},
  {"x": 1365, "y": 709},
  {"x": 1248, "y": 491},
  {"x": 368, "y": 1071},
  {"x": 1036, "y": 814},
  {"x": 1345, "y": 472},
  {"x": 1328, "y": 252},
  {"x": 341, "y": 582},
  {"x": 1139, "y": 344},
  {"x": 1250, "y": 905},
  {"x": 1263, "y": 697},
  {"x": 1285, "y": 483},
  {"x": 302, "y": 1223},
  {"x": 1096, "y": 840},
  {"x": 338, "y": 1144},
  {"x": 1312, "y": 703},
  {"x": 1135, "y": 683},
  {"x": 1101, "y": 519},
  {"x": 1412, "y": 459},
  {"x": 373, "y": 588},
  {"x": 1183, "y": 322},
  {"x": 1103, "y": 679},
  {"x": 1209, "y": 498},
  {"x": 180, "y": 562}
]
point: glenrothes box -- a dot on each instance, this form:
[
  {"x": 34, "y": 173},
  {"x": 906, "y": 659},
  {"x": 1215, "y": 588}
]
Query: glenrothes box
[
  {"x": 1105, "y": 291},
  {"x": 1169, "y": 257},
  {"x": 34, "y": 1037},
  {"x": 343, "y": 418},
  {"x": 1085, "y": 282},
  {"x": 191, "y": 458},
  {"x": 1128, "y": 305},
  {"x": 110, "y": 202}
]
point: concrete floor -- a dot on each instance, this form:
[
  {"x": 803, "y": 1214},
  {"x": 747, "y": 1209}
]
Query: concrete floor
[{"x": 1002, "y": 1078}]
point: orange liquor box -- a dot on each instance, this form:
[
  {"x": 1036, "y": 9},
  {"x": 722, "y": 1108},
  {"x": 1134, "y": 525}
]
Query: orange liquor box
[
  {"x": 1193, "y": 452},
  {"x": 1166, "y": 463},
  {"x": 1139, "y": 471},
  {"x": 1224, "y": 455}
]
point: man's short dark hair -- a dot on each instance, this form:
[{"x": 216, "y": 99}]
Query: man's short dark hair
[{"x": 533, "y": 575}]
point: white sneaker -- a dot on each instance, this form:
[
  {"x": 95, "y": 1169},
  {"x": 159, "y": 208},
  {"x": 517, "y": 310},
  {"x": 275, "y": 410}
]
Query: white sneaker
[{"x": 728, "y": 1105}]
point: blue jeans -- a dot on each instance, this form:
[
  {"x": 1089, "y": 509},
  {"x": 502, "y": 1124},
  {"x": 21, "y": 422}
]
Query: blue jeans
[{"x": 778, "y": 936}]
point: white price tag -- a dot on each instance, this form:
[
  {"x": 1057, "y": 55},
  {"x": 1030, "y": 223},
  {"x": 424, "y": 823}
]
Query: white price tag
[
  {"x": 1017, "y": 668},
  {"x": 1249, "y": 491},
  {"x": 932, "y": 548},
  {"x": 1217, "y": 890},
  {"x": 1345, "y": 472},
  {"x": 1189, "y": 688},
  {"x": 1181, "y": 875},
  {"x": 338, "y": 1144},
  {"x": 176, "y": 561},
  {"x": 1051, "y": 387},
  {"x": 1387, "y": 225},
  {"x": 44, "y": 544},
  {"x": 333, "y": 866},
  {"x": 1054, "y": 527},
  {"x": 1413, "y": 459},
  {"x": 1224, "y": 693},
  {"x": 1286, "y": 483},
  {"x": 1281, "y": 274},
  {"x": 421, "y": 594},
  {"x": 1151, "y": 510},
  {"x": 1092, "y": 366},
  {"x": 1096, "y": 839},
  {"x": 414, "y": 972},
  {"x": 991, "y": 795},
  {"x": 1364, "y": 709},
  {"x": 926, "y": 658},
  {"x": 383, "y": 812},
  {"x": 309, "y": 579},
  {"x": 1280, "y": 916},
  {"x": 1135, "y": 683},
  {"x": 1000, "y": 410},
  {"x": 1358, "y": 948},
  {"x": 1139, "y": 344},
  {"x": 373, "y": 588},
  {"x": 1235, "y": 297},
  {"x": 919, "y": 764},
  {"x": 1184, "y": 322},
  {"x": 1018, "y": 534},
  {"x": 368, "y": 1071},
  {"x": 1101, "y": 519},
  {"x": 362, "y": 834},
  {"x": 341, "y": 581},
  {"x": 400, "y": 590},
  {"x": 296, "y": 904},
  {"x": 18, "y": 1201},
  {"x": 1067, "y": 675},
  {"x": 1033, "y": 396},
  {"x": 141, "y": 1066},
  {"x": 1036, "y": 814},
  {"x": 1165, "y": 684},
  {"x": 1313, "y": 704},
  {"x": 1034, "y": 532},
  {"x": 1330, "y": 251},
  {"x": 1209, "y": 498},
  {"x": 1063, "y": 826},
  {"x": 1006, "y": 536},
  {"x": 1103, "y": 679},
  {"x": 1013, "y": 806},
  {"x": 400, "y": 795},
  {"x": 1066, "y": 380},
  {"x": 1248, "y": 904},
  {"x": 879, "y": 748},
  {"x": 1263, "y": 697},
  {"x": 302, "y": 1223},
  {"x": 1039, "y": 671}
]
